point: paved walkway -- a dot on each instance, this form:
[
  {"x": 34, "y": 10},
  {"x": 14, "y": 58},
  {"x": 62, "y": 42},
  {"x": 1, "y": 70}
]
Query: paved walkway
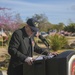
[{"x": 3, "y": 52}]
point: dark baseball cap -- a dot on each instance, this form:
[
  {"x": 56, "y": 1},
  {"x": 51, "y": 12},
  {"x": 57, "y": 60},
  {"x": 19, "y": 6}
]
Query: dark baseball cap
[{"x": 33, "y": 24}]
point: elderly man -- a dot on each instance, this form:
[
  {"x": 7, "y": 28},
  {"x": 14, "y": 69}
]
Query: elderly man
[{"x": 21, "y": 47}]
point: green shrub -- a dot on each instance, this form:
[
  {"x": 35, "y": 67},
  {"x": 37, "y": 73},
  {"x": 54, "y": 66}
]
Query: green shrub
[
  {"x": 57, "y": 41},
  {"x": 1, "y": 40},
  {"x": 9, "y": 37},
  {"x": 0, "y": 43}
]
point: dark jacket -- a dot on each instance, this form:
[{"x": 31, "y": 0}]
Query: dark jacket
[{"x": 19, "y": 49}]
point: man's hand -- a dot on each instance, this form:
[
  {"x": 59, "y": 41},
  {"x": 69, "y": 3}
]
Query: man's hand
[
  {"x": 29, "y": 60},
  {"x": 53, "y": 54}
]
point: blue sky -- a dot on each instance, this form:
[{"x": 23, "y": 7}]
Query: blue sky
[{"x": 56, "y": 10}]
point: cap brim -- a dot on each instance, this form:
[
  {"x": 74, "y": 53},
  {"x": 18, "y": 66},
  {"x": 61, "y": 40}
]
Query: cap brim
[{"x": 34, "y": 29}]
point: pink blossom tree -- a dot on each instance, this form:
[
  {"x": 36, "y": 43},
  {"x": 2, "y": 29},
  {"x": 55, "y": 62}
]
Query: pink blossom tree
[{"x": 7, "y": 20}]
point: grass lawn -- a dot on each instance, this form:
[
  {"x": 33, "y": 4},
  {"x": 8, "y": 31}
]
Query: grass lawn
[{"x": 70, "y": 39}]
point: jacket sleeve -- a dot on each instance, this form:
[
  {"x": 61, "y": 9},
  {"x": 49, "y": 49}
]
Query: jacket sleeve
[
  {"x": 13, "y": 47},
  {"x": 40, "y": 50}
]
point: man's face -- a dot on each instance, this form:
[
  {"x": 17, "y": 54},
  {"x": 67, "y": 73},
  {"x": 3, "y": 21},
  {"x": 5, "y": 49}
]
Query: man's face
[
  {"x": 32, "y": 33},
  {"x": 29, "y": 31}
]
